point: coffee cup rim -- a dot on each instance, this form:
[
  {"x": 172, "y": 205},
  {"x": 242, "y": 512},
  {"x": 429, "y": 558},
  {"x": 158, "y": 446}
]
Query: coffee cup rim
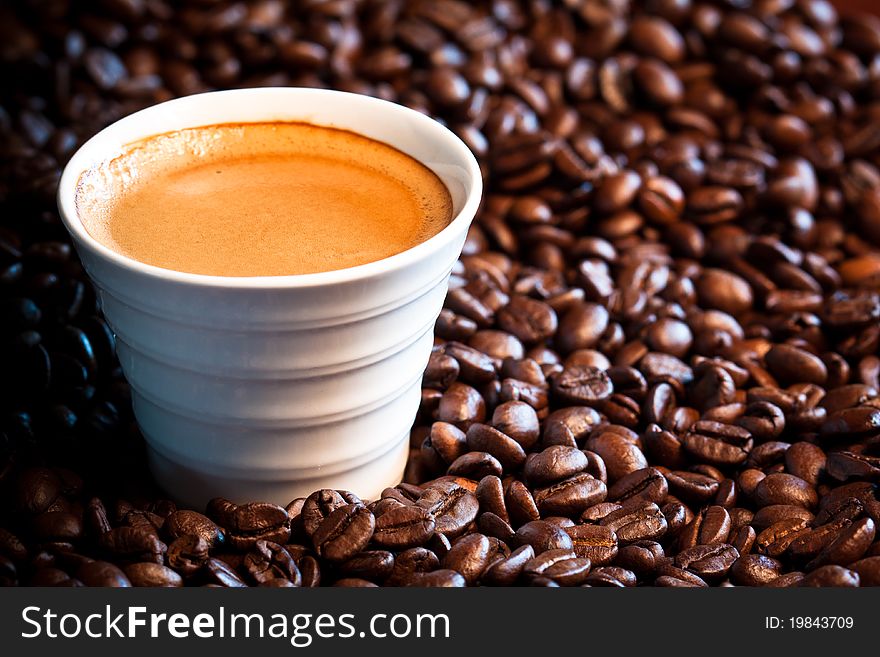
[{"x": 89, "y": 153}]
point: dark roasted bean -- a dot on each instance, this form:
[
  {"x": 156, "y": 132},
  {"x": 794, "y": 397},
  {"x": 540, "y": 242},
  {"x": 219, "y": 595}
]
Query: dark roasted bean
[
  {"x": 710, "y": 562},
  {"x": 717, "y": 443},
  {"x": 247, "y": 523},
  {"x": 190, "y": 523},
  {"x": 553, "y": 464},
  {"x": 780, "y": 488},
  {"x": 103, "y": 574},
  {"x": 543, "y": 536},
  {"x": 571, "y": 496},
  {"x": 831, "y": 576},
  {"x": 647, "y": 484},
  {"x": 405, "y": 526},
  {"x": 594, "y": 542},
  {"x": 344, "y": 533},
  {"x": 187, "y": 554},
  {"x": 452, "y": 509},
  {"x": 483, "y": 438},
  {"x": 621, "y": 457},
  {"x": 506, "y": 571},
  {"x": 636, "y": 522},
  {"x": 469, "y": 557},
  {"x": 374, "y": 565},
  {"x": 755, "y": 570}
]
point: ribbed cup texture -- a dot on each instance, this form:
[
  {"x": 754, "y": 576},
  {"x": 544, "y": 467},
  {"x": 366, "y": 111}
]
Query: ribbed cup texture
[{"x": 269, "y": 388}]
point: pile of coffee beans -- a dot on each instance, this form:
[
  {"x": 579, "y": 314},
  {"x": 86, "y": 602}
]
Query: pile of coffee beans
[{"x": 658, "y": 359}]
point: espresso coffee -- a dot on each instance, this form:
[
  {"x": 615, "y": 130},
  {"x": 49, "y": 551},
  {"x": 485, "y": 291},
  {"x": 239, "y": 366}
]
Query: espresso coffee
[{"x": 261, "y": 199}]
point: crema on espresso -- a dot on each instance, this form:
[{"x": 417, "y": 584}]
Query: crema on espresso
[{"x": 261, "y": 199}]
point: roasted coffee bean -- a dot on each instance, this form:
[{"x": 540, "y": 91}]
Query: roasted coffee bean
[
  {"x": 410, "y": 561},
  {"x": 269, "y": 561},
  {"x": 612, "y": 576},
  {"x": 495, "y": 526},
  {"x": 717, "y": 443},
  {"x": 868, "y": 570},
  {"x": 442, "y": 370},
  {"x": 469, "y": 557},
  {"x": 837, "y": 576},
  {"x": 648, "y": 484},
  {"x": 851, "y": 422},
  {"x": 543, "y": 536},
  {"x": 571, "y": 496},
  {"x": 152, "y": 574},
  {"x": 561, "y": 566},
  {"x": 103, "y": 574},
  {"x": 581, "y": 327},
  {"x": 310, "y": 571},
  {"x": 517, "y": 420},
  {"x": 594, "y": 542},
  {"x": 719, "y": 288},
  {"x": 520, "y": 504},
  {"x": 220, "y": 573},
  {"x": 743, "y": 539},
  {"x": 776, "y": 539},
  {"x": 554, "y": 464},
  {"x": 676, "y": 576},
  {"x": 133, "y": 544},
  {"x": 443, "y": 577},
  {"x": 188, "y": 554},
  {"x": 643, "y": 557},
  {"x": 677, "y": 517},
  {"x": 317, "y": 507},
  {"x": 527, "y": 319},
  {"x": 248, "y": 523},
  {"x": 490, "y": 494},
  {"x": 572, "y": 423},
  {"x": 849, "y": 544},
  {"x": 781, "y": 488},
  {"x": 452, "y": 509},
  {"x": 806, "y": 461},
  {"x": 845, "y": 466},
  {"x": 191, "y": 523},
  {"x": 506, "y": 572},
  {"x": 344, "y": 533},
  {"x": 714, "y": 526},
  {"x": 617, "y": 192},
  {"x": 483, "y": 438},
  {"x": 145, "y": 520},
  {"x": 636, "y": 522},
  {"x": 37, "y": 490},
  {"x": 769, "y": 515},
  {"x": 475, "y": 465},
  {"x": 372, "y": 565},
  {"x": 474, "y": 366},
  {"x": 710, "y": 562},
  {"x": 663, "y": 447},
  {"x": 763, "y": 420},
  {"x": 57, "y": 526},
  {"x": 621, "y": 457},
  {"x": 444, "y": 444},
  {"x": 461, "y": 405},
  {"x": 403, "y": 527},
  {"x": 755, "y": 570},
  {"x": 582, "y": 384}
]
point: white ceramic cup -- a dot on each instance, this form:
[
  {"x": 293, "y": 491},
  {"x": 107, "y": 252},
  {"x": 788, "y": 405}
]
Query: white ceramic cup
[{"x": 268, "y": 388}]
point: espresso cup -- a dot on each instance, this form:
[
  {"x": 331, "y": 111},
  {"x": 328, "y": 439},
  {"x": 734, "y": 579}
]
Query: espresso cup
[{"x": 271, "y": 387}]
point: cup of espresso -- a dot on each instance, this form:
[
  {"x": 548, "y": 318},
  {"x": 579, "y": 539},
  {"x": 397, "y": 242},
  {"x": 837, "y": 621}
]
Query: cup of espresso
[{"x": 272, "y": 262}]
